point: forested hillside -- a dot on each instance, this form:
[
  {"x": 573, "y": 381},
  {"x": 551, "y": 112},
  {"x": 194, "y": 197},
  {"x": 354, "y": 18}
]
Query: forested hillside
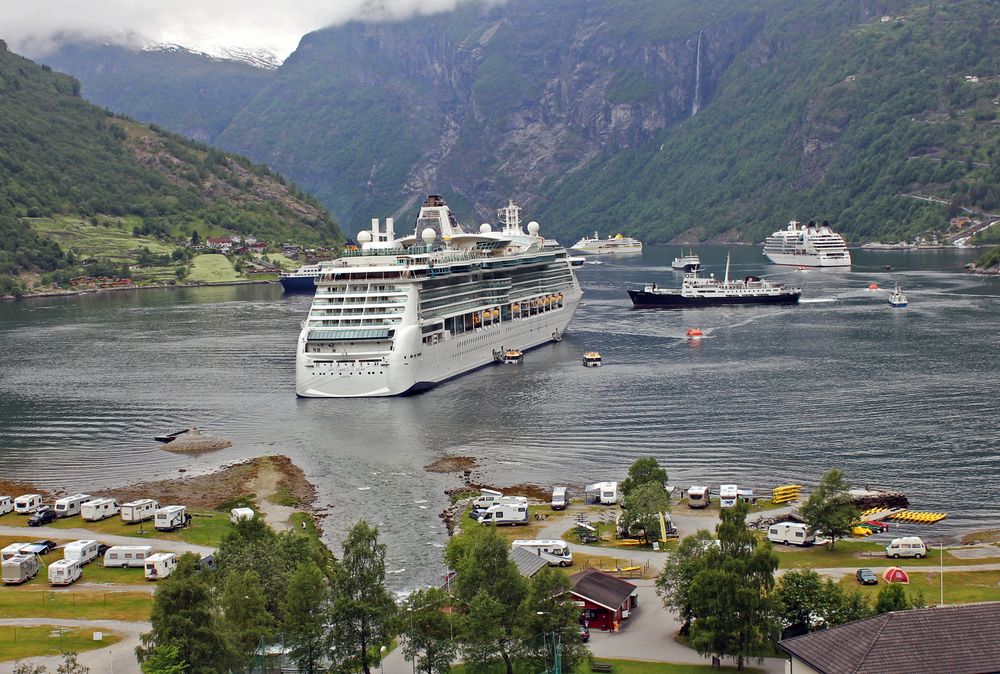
[
  {"x": 61, "y": 157},
  {"x": 669, "y": 119}
]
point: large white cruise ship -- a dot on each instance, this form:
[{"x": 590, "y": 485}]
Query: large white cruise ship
[
  {"x": 609, "y": 246},
  {"x": 809, "y": 245},
  {"x": 401, "y": 315}
]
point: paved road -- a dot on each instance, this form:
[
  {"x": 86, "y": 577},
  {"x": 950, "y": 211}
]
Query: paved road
[
  {"x": 116, "y": 659},
  {"x": 159, "y": 544}
]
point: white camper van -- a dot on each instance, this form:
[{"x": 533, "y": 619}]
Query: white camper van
[
  {"x": 160, "y": 565},
  {"x": 65, "y": 572},
  {"x": 13, "y": 550},
  {"x": 127, "y": 555},
  {"x": 237, "y": 514},
  {"x": 99, "y": 509},
  {"x": 699, "y": 497},
  {"x": 81, "y": 551},
  {"x": 556, "y": 553},
  {"x": 19, "y": 568},
  {"x": 139, "y": 511},
  {"x": 790, "y": 533},
  {"x": 27, "y": 503},
  {"x": 486, "y": 498},
  {"x": 907, "y": 546},
  {"x": 559, "y": 498},
  {"x": 70, "y": 505},
  {"x": 170, "y": 517},
  {"x": 728, "y": 494},
  {"x": 6, "y": 505},
  {"x": 505, "y": 513},
  {"x": 604, "y": 493}
]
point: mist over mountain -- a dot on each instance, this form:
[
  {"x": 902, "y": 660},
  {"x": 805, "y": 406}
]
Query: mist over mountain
[{"x": 669, "y": 119}]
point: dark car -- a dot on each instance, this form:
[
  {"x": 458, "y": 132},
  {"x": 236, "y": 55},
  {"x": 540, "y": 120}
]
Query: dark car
[
  {"x": 40, "y": 547},
  {"x": 584, "y": 634},
  {"x": 43, "y": 515},
  {"x": 866, "y": 577}
]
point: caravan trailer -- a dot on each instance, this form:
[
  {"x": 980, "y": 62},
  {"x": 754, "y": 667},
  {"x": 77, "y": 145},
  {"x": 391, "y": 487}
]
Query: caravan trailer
[
  {"x": 27, "y": 503},
  {"x": 99, "y": 509},
  {"x": 65, "y": 572},
  {"x": 171, "y": 517},
  {"x": 505, "y": 513},
  {"x": 160, "y": 565},
  {"x": 699, "y": 497},
  {"x": 556, "y": 553},
  {"x": 70, "y": 505},
  {"x": 127, "y": 555},
  {"x": 238, "y": 514},
  {"x": 790, "y": 533},
  {"x": 139, "y": 511},
  {"x": 728, "y": 494},
  {"x": 486, "y": 498},
  {"x": 81, "y": 551},
  {"x": 19, "y": 568},
  {"x": 13, "y": 550},
  {"x": 603, "y": 493},
  {"x": 6, "y": 505}
]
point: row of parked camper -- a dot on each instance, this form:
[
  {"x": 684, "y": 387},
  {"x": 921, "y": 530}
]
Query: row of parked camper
[
  {"x": 21, "y": 561},
  {"x": 700, "y": 496},
  {"x": 93, "y": 509}
]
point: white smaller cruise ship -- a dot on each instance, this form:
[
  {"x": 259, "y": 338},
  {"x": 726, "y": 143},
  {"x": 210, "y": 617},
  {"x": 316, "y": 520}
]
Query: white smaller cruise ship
[
  {"x": 807, "y": 245},
  {"x": 612, "y": 245}
]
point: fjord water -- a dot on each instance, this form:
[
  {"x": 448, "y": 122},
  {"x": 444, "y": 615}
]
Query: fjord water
[{"x": 902, "y": 399}]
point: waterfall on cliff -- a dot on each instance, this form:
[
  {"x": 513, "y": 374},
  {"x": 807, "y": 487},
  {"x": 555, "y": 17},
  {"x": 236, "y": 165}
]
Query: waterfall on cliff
[{"x": 697, "y": 77}]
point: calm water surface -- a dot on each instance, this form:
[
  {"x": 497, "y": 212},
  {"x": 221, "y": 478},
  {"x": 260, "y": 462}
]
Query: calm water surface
[{"x": 903, "y": 399}]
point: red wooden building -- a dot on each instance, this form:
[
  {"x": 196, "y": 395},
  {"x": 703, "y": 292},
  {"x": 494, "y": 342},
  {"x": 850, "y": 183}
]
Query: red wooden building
[{"x": 605, "y": 600}]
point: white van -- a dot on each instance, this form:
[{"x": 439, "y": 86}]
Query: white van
[
  {"x": 237, "y": 514},
  {"x": 65, "y": 572},
  {"x": 486, "y": 498},
  {"x": 19, "y": 568},
  {"x": 907, "y": 546},
  {"x": 699, "y": 497},
  {"x": 170, "y": 517},
  {"x": 13, "y": 550},
  {"x": 160, "y": 565},
  {"x": 559, "y": 499},
  {"x": 6, "y": 505},
  {"x": 505, "y": 513},
  {"x": 81, "y": 551},
  {"x": 728, "y": 494},
  {"x": 127, "y": 555},
  {"x": 556, "y": 553},
  {"x": 99, "y": 509},
  {"x": 604, "y": 493},
  {"x": 139, "y": 511},
  {"x": 27, "y": 503},
  {"x": 70, "y": 505},
  {"x": 790, "y": 533}
]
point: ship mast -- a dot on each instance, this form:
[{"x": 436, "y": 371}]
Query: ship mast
[
  {"x": 510, "y": 216},
  {"x": 727, "y": 269}
]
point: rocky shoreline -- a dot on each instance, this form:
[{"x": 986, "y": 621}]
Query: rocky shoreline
[{"x": 152, "y": 286}]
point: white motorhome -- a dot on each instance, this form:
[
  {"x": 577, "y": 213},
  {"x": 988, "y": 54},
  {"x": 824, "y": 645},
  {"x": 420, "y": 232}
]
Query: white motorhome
[
  {"x": 505, "y": 513},
  {"x": 170, "y": 517},
  {"x": 907, "y": 546},
  {"x": 604, "y": 493},
  {"x": 556, "y": 553},
  {"x": 65, "y": 572},
  {"x": 13, "y": 550},
  {"x": 6, "y": 505},
  {"x": 559, "y": 498},
  {"x": 127, "y": 555},
  {"x": 728, "y": 495},
  {"x": 790, "y": 533},
  {"x": 99, "y": 509},
  {"x": 81, "y": 551},
  {"x": 160, "y": 565},
  {"x": 19, "y": 568},
  {"x": 699, "y": 497},
  {"x": 70, "y": 505},
  {"x": 139, "y": 511},
  {"x": 27, "y": 503},
  {"x": 486, "y": 498},
  {"x": 237, "y": 514}
]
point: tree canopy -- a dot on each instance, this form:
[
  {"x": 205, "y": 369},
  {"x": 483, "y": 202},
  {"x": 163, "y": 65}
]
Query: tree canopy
[{"x": 829, "y": 510}]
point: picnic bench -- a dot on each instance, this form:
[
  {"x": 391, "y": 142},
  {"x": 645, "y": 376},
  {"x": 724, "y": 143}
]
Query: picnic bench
[{"x": 601, "y": 667}]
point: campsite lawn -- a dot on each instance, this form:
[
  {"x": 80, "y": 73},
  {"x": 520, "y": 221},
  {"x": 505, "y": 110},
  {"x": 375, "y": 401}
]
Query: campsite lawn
[
  {"x": 212, "y": 268},
  {"x": 27, "y": 642},
  {"x": 849, "y": 553},
  {"x": 97, "y": 605},
  {"x": 960, "y": 587},
  {"x": 207, "y": 528}
]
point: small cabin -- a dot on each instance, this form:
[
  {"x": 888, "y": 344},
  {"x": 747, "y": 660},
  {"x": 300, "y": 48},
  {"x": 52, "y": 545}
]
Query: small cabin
[{"x": 604, "y": 600}]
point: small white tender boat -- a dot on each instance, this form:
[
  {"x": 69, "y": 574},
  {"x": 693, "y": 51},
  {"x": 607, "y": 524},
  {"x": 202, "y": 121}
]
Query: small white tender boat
[{"x": 897, "y": 299}]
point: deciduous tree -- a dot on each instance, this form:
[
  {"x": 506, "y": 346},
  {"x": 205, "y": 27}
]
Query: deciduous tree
[
  {"x": 642, "y": 507},
  {"x": 643, "y": 471},
  {"x": 673, "y": 585},
  {"x": 428, "y": 634},
  {"x": 551, "y": 620},
  {"x": 829, "y": 510},
  {"x": 892, "y": 597},
  {"x": 246, "y": 618},
  {"x": 305, "y": 607}
]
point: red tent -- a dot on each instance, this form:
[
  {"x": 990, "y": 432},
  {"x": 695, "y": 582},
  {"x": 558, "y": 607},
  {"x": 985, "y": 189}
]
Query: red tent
[{"x": 894, "y": 574}]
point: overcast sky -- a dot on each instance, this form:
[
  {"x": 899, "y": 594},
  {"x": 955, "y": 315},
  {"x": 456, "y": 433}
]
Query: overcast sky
[{"x": 31, "y": 27}]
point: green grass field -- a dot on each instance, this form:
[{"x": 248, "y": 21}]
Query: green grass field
[
  {"x": 624, "y": 667},
  {"x": 212, "y": 268},
  {"x": 97, "y": 605},
  {"x": 207, "y": 528},
  {"x": 115, "y": 242},
  {"x": 27, "y": 642},
  {"x": 849, "y": 553},
  {"x": 960, "y": 587}
]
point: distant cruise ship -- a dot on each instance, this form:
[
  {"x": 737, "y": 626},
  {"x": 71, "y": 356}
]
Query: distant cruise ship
[
  {"x": 301, "y": 280},
  {"x": 401, "y": 315},
  {"x": 609, "y": 246},
  {"x": 809, "y": 245}
]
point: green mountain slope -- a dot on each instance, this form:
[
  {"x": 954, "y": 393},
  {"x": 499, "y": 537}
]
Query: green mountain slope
[{"x": 61, "y": 157}]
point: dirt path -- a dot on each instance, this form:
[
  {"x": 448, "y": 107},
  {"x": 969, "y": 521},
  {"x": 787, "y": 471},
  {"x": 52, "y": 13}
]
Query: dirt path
[
  {"x": 118, "y": 658},
  {"x": 266, "y": 485}
]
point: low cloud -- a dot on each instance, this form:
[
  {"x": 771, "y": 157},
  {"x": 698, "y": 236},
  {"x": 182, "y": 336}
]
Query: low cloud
[{"x": 36, "y": 27}]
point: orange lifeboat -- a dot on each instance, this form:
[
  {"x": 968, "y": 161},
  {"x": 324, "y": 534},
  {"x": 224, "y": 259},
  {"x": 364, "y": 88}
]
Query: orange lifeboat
[
  {"x": 694, "y": 333},
  {"x": 873, "y": 286}
]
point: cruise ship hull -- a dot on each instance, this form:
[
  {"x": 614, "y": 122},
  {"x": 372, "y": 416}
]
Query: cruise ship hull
[
  {"x": 806, "y": 260},
  {"x": 401, "y": 373},
  {"x": 298, "y": 284},
  {"x": 674, "y": 300}
]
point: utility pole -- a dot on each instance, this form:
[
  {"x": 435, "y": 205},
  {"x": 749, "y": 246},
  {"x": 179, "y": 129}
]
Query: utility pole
[{"x": 941, "y": 573}]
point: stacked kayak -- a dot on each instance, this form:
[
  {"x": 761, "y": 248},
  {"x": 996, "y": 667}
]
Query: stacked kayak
[
  {"x": 917, "y": 517},
  {"x": 786, "y": 494}
]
